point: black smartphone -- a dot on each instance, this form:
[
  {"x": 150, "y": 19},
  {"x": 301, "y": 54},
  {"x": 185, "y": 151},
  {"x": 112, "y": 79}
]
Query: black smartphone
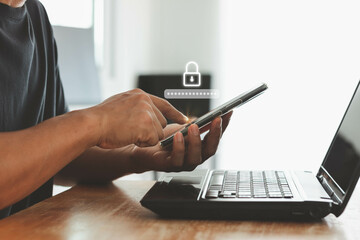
[{"x": 219, "y": 111}]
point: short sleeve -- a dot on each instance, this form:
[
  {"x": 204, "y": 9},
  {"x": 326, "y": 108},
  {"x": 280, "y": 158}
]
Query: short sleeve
[{"x": 61, "y": 104}]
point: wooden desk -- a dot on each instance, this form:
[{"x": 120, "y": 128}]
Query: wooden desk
[{"x": 114, "y": 212}]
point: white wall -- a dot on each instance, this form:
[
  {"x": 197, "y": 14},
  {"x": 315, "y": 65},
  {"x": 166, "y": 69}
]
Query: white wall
[
  {"x": 158, "y": 36},
  {"x": 308, "y": 53},
  {"x": 79, "y": 15}
]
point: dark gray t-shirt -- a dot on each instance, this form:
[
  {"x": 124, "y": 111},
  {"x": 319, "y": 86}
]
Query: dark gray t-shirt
[{"x": 30, "y": 85}]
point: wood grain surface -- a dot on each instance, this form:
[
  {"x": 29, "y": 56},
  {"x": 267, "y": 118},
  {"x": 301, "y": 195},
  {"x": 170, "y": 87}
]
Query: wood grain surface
[{"x": 113, "y": 212}]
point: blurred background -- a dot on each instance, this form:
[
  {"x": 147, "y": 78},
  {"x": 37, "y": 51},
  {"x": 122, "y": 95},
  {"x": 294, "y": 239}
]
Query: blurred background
[{"x": 308, "y": 53}]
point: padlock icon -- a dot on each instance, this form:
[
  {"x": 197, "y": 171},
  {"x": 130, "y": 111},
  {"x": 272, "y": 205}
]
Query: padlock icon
[{"x": 191, "y": 79}]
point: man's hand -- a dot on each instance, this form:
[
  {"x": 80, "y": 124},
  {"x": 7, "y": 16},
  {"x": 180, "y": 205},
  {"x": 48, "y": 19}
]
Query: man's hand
[
  {"x": 102, "y": 165},
  {"x": 185, "y": 155},
  {"x": 133, "y": 117}
]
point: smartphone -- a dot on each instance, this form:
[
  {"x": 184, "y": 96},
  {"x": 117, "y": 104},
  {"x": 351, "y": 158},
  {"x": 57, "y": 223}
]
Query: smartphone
[{"x": 219, "y": 111}]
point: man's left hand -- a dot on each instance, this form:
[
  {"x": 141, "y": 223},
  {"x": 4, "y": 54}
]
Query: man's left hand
[{"x": 186, "y": 154}]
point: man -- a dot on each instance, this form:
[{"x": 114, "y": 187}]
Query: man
[{"x": 40, "y": 141}]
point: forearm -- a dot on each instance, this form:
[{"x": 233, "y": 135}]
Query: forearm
[
  {"x": 97, "y": 165},
  {"x": 28, "y": 158}
]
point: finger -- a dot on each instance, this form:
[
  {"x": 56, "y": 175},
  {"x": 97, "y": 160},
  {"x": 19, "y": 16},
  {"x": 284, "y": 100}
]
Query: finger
[
  {"x": 225, "y": 121},
  {"x": 193, "y": 156},
  {"x": 152, "y": 132},
  {"x": 205, "y": 128},
  {"x": 157, "y": 127},
  {"x": 211, "y": 140},
  {"x": 178, "y": 151},
  {"x": 158, "y": 114},
  {"x": 168, "y": 110}
]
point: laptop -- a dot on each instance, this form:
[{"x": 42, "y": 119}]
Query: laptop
[{"x": 232, "y": 194}]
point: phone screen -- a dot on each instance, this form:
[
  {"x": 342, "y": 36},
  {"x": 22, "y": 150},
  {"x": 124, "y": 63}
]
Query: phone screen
[{"x": 219, "y": 111}]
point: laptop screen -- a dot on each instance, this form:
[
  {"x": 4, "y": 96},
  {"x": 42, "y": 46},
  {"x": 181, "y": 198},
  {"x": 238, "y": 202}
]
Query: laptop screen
[{"x": 343, "y": 158}]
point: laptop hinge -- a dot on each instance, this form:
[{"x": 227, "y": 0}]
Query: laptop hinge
[{"x": 329, "y": 190}]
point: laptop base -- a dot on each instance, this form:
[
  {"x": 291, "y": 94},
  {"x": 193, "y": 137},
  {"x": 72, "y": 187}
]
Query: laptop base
[{"x": 178, "y": 195}]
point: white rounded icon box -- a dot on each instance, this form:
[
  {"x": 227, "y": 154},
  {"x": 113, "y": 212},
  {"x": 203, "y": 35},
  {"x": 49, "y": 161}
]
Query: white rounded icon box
[{"x": 191, "y": 79}]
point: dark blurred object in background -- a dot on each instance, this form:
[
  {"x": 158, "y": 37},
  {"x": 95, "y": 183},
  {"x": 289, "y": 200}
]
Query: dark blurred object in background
[{"x": 157, "y": 84}]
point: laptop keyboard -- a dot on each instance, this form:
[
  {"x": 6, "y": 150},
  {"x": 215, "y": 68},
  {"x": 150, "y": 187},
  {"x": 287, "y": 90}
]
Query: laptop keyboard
[{"x": 248, "y": 184}]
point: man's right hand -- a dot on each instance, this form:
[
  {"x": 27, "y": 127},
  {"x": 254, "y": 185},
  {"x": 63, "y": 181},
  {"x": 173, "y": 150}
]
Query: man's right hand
[
  {"x": 30, "y": 157},
  {"x": 133, "y": 117}
]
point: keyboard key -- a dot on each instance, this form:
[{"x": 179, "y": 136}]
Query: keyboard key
[
  {"x": 244, "y": 195},
  {"x": 212, "y": 194},
  {"x": 215, "y": 188},
  {"x": 275, "y": 195},
  {"x": 260, "y": 196},
  {"x": 228, "y": 196},
  {"x": 217, "y": 180},
  {"x": 229, "y": 192},
  {"x": 288, "y": 195}
]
